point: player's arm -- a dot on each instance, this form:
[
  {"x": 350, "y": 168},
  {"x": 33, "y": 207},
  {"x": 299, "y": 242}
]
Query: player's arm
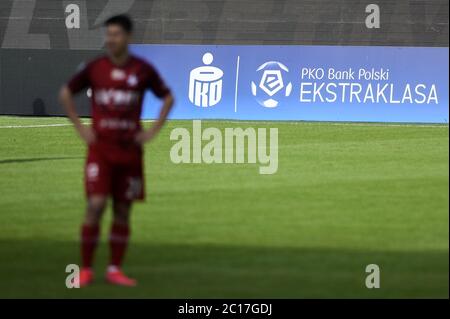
[
  {"x": 68, "y": 102},
  {"x": 145, "y": 136},
  {"x": 77, "y": 83},
  {"x": 159, "y": 88}
]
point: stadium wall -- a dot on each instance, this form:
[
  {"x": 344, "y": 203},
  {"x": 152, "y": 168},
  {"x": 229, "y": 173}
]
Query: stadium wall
[{"x": 40, "y": 49}]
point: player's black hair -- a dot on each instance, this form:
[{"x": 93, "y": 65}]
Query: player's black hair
[{"x": 121, "y": 20}]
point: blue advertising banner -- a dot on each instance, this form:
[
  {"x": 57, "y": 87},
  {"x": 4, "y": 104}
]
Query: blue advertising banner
[{"x": 310, "y": 83}]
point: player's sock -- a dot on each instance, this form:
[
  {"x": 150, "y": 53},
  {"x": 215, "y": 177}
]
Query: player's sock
[
  {"x": 118, "y": 242},
  {"x": 89, "y": 240}
]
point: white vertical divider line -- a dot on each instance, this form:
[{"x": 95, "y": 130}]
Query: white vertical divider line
[{"x": 236, "y": 86}]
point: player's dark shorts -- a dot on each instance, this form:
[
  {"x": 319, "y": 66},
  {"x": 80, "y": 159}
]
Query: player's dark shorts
[{"x": 116, "y": 174}]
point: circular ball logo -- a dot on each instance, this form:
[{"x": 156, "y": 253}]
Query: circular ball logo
[{"x": 271, "y": 86}]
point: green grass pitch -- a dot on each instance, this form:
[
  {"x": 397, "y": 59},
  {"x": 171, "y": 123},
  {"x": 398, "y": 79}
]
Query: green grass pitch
[{"x": 344, "y": 196}]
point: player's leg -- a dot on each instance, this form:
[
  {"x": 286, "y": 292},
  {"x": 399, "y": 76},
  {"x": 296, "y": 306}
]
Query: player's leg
[
  {"x": 127, "y": 187},
  {"x": 97, "y": 185},
  {"x": 120, "y": 231},
  {"x": 91, "y": 228},
  {"x": 90, "y": 231},
  {"x": 118, "y": 242}
]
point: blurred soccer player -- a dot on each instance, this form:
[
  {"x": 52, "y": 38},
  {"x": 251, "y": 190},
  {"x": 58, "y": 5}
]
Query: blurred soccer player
[{"x": 114, "y": 165}]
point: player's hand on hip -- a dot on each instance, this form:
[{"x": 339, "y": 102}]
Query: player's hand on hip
[
  {"x": 143, "y": 136},
  {"x": 87, "y": 134}
]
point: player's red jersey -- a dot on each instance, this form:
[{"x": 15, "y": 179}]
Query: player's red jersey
[
  {"x": 114, "y": 161},
  {"x": 117, "y": 95}
]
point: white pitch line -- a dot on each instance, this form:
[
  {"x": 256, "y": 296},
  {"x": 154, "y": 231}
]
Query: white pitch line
[
  {"x": 32, "y": 126},
  {"x": 335, "y": 123},
  {"x": 258, "y": 122},
  {"x": 52, "y": 125}
]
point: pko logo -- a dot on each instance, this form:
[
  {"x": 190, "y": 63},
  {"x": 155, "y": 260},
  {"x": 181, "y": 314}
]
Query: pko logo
[
  {"x": 271, "y": 84},
  {"x": 205, "y": 83}
]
